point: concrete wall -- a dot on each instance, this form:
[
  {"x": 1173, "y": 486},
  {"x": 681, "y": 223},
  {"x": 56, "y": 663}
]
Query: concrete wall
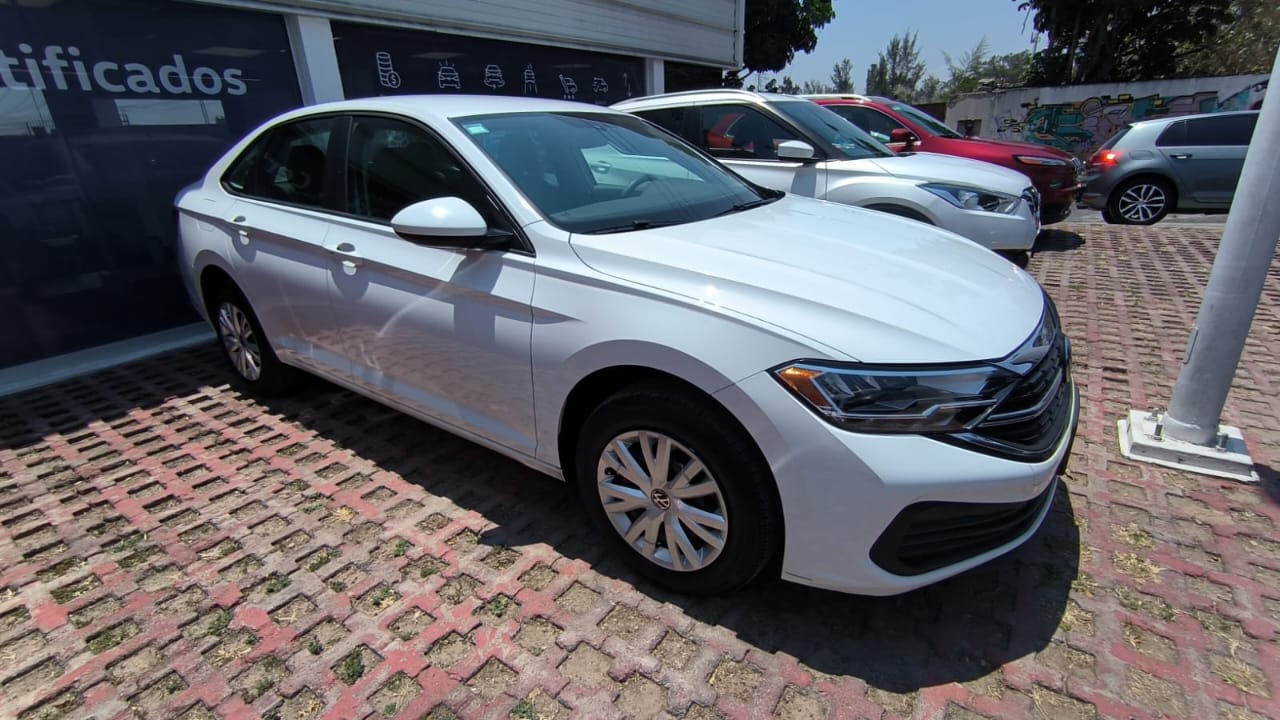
[
  {"x": 1080, "y": 118},
  {"x": 707, "y": 32}
]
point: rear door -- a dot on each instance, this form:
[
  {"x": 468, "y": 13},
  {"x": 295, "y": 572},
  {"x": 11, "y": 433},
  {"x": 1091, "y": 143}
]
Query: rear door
[
  {"x": 285, "y": 199},
  {"x": 1206, "y": 155}
]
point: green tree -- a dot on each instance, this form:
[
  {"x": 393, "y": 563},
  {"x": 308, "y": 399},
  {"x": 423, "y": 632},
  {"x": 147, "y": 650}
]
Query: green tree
[
  {"x": 976, "y": 69},
  {"x": 899, "y": 69},
  {"x": 1121, "y": 40},
  {"x": 931, "y": 90},
  {"x": 775, "y": 30},
  {"x": 1246, "y": 45},
  {"x": 815, "y": 87},
  {"x": 842, "y": 76}
]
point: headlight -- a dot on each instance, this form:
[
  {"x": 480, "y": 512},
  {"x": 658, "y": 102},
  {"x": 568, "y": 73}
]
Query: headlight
[
  {"x": 898, "y": 400},
  {"x": 1041, "y": 161},
  {"x": 968, "y": 198}
]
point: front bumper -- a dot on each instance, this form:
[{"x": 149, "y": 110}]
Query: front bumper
[
  {"x": 994, "y": 231},
  {"x": 842, "y": 491}
]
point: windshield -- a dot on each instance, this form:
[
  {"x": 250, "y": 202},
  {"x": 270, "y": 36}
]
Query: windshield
[
  {"x": 589, "y": 172},
  {"x": 841, "y": 134},
  {"x": 923, "y": 118}
]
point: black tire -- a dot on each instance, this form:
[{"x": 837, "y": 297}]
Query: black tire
[
  {"x": 273, "y": 377},
  {"x": 1021, "y": 258},
  {"x": 1140, "y": 201},
  {"x": 753, "y": 519},
  {"x": 1107, "y": 217}
]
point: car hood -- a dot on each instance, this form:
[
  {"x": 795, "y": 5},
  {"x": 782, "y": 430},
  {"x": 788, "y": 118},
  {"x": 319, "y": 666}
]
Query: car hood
[
  {"x": 1019, "y": 147},
  {"x": 932, "y": 167},
  {"x": 870, "y": 286}
]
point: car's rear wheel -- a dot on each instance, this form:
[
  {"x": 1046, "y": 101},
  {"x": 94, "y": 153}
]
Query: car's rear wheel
[
  {"x": 1141, "y": 201},
  {"x": 245, "y": 345},
  {"x": 679, "y": 489}
]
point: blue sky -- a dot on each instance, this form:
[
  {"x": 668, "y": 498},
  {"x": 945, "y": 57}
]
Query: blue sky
[{"x": 861, "y": 30}]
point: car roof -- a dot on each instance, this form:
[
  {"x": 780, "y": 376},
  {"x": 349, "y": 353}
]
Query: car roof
[
  {"x": 445, "y": 107},
  {"x": 1175, "y": 118},
  {"x": 850, "y": 98},
  {"x": 709, "y": 95}
]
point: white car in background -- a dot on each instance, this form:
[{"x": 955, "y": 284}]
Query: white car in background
[
  {"x": 792, "y": 144},
  {"x": 733, "y": 378}
]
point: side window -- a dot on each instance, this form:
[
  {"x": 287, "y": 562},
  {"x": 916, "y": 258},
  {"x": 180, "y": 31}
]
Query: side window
[
  {"x": 288, "y": 164},
  {"x": 742, "y": 132},
  {"x": 873, "y": 122},
  {"x": 1175, "y": 135},
  {"x": 669, "y": 119},
  {"x": 1221, "y": 130},
  {"x": 392, "y": 164}
]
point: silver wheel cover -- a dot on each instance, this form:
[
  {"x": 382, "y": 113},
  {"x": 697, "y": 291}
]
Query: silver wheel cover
[
  {"x": 662, "y": 500},
  {"x": 239, "y": 340}
]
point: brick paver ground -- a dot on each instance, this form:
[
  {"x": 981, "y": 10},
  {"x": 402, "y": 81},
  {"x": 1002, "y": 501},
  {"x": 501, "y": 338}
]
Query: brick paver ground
[{"x": 170, "y": 548}]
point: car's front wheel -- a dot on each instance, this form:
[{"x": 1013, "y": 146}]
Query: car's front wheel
[
  {"x": 245, "y": 345},
  {"x": 679, "y": 489},
  {"x": 1141, "y": 201}
]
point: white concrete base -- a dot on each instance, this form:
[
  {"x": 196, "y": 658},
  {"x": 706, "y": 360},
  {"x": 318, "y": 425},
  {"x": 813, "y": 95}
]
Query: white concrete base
[{"x": 1140, "y": 440}]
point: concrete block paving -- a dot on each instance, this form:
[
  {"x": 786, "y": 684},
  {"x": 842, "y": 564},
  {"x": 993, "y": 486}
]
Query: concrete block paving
[{"x": 171, "y": 548}]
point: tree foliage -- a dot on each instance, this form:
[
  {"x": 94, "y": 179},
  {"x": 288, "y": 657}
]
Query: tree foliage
[
  {"x": 1121, "y": 40},
  {"x": 976, "y": 69},
  {"x": 898, "y": 70},
  {"x": 1246, "y": 45},
  {"x": 775, "y": 30},
  {"x": 842, "y": 76},
  {"x": 814, "y": 87}
]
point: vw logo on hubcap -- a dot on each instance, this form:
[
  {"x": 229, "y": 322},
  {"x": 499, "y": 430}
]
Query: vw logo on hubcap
[{"x": 660, "y": 498}]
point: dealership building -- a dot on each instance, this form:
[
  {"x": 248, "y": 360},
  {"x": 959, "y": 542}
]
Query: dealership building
[{"x": 109, "y": 107}]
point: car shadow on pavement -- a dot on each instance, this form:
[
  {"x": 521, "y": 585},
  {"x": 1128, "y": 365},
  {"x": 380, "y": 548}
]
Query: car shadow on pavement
[
  {"x": 1051, "y": 240},
  {"x": 955, "y": 631},
  {"x": 1269, "y": 481}
]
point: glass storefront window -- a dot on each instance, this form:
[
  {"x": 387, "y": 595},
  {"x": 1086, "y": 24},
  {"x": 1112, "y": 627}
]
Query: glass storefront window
[{"x": 107, "y": 109}]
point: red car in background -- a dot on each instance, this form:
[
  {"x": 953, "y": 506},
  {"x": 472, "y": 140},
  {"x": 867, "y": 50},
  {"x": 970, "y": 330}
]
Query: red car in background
[{"x": 906, "y": 129}]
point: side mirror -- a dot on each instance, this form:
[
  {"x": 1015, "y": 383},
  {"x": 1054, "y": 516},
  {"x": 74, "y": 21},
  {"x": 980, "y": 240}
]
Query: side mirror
[
  {"x": 903, "y": 136},
  {"x": 445, "y": 222},
  {"x": 796, "y": 150}
]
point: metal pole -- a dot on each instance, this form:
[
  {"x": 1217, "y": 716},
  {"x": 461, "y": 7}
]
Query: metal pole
[{"x": 1235, "y": 285}]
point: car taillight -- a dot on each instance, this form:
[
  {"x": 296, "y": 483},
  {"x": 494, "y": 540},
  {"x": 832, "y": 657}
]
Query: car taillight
[{"x": 1105, "y": 158}]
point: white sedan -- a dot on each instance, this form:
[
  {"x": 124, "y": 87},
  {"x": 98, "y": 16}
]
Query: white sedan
[{"x": 729, "y": 376}]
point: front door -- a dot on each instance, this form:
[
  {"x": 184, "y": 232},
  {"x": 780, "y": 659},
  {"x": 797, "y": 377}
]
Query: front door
[
  {"x": 1207, "y": 154},
  {"x": 444, "y": 332},
  {"x": 746, "y": 139}
]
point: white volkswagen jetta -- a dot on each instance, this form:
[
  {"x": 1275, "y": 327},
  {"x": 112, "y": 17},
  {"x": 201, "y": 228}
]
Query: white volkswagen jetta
[{"x": 730, "y": 376}]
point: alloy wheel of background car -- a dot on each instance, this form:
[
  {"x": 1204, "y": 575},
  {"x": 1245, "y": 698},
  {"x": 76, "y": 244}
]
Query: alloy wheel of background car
[
  {"x": 663, "y": 501},
  {"x": 246, "y": 347},
  {"x": 1140, "y": 202},
  {"x": 710, "y": 496}
]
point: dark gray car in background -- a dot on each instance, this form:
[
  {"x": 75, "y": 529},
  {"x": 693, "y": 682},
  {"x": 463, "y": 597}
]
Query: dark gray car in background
[{"x": 1188, "y": 163}]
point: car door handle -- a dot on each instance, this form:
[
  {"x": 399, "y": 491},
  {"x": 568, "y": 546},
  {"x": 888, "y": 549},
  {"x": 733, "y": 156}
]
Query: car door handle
[
  {"x": 350, "y": 258},
  {"x": 1181, "y": 156},
  {"x": 241, "y": 224}
]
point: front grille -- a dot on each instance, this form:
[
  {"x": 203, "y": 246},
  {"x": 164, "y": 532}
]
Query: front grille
[
  {"x": 1032, "y": 196},
  {"x": 931, "y": 535},
  {"x": 1030, "y": 421}
]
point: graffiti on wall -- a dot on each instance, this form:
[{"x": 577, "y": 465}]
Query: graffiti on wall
[{"x": 1081, "y": 127}]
